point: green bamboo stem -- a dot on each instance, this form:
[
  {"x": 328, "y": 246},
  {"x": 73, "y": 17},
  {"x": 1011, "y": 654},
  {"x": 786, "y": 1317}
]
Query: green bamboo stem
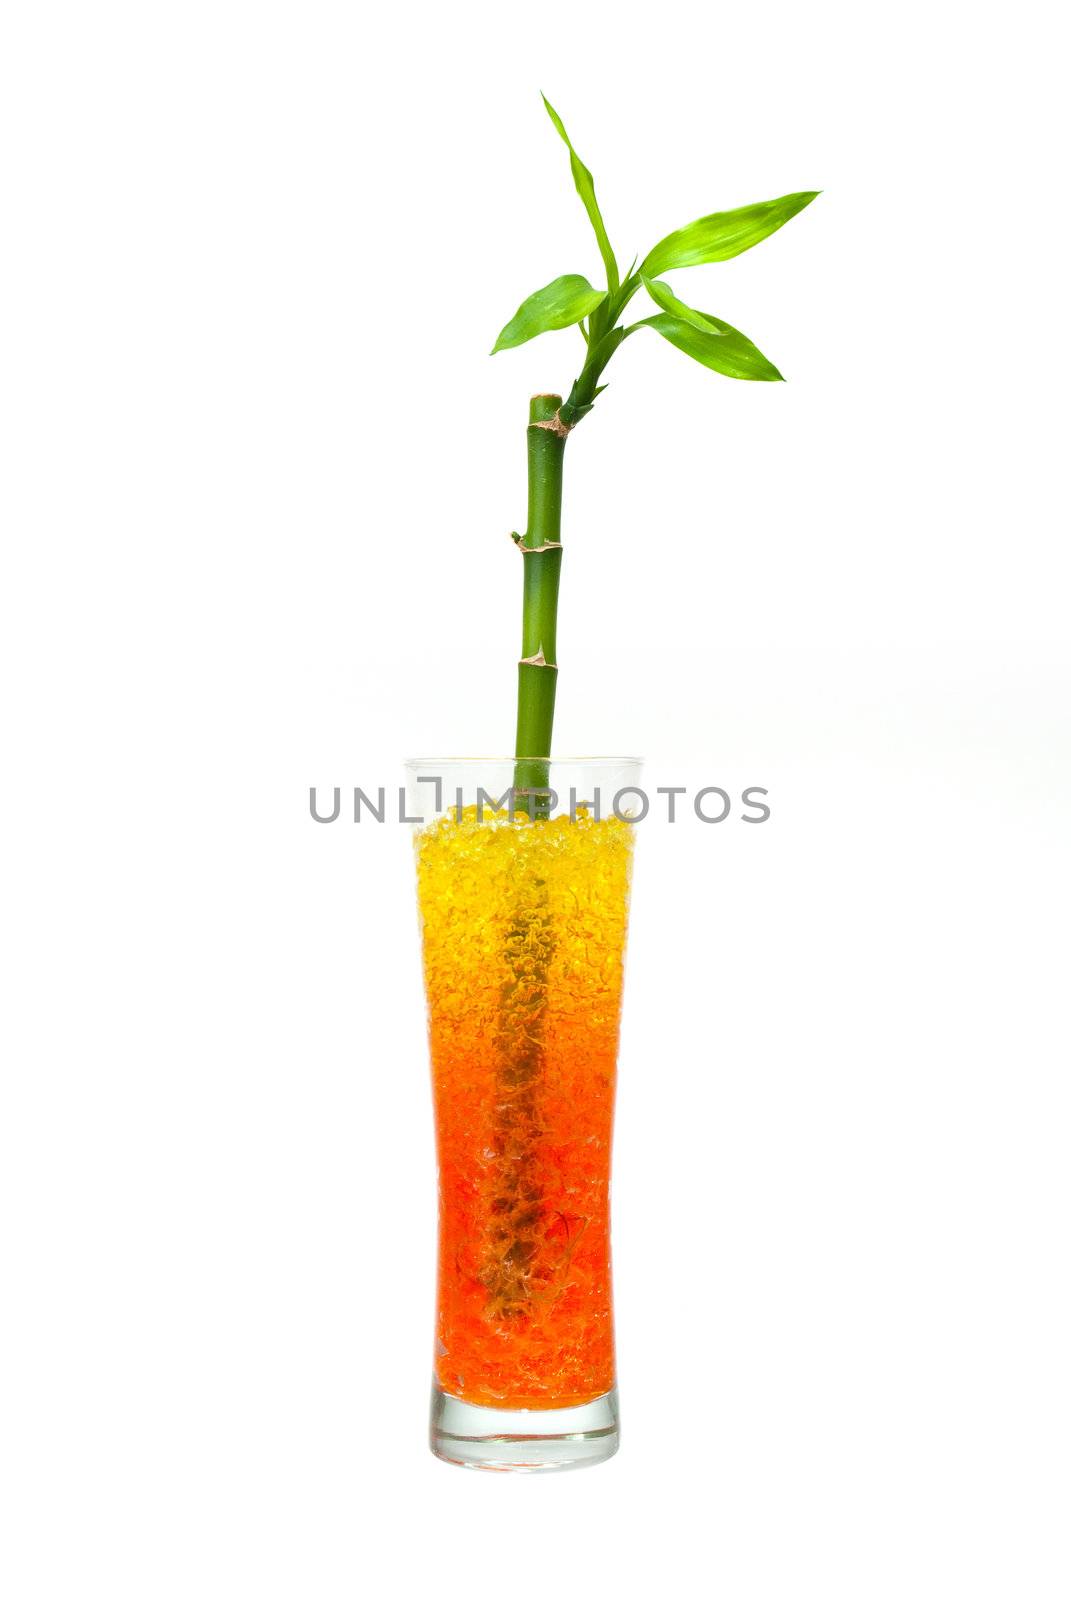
[
  {"x": 516, "y": 1200},
  {"x": 541, "y": 552}
]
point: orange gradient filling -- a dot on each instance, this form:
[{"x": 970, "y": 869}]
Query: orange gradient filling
[{"x": 523, "y": 927}]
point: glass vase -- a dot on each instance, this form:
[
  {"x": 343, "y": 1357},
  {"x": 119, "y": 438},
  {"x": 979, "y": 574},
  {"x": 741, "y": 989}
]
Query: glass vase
[{"x": 523, "y": 878}]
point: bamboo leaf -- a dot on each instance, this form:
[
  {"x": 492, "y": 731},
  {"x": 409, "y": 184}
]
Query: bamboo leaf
[
  {"x": 663, "y": 296},
  {"x": 709, "y": 340},
  {"x": 585, "y": 188},
  {"x": 567, "y": 300},
  {"x": 724, "y": 234}
]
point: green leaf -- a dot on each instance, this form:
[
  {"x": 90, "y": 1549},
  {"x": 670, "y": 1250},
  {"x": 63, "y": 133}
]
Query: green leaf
[
  {"x": 724, "y": 234},
  {"x": 559, "y": 305},
  {"x": 709, "y": 340},
  {"x": 663, "y": 296},
  {"x": 585, "y": 188}
]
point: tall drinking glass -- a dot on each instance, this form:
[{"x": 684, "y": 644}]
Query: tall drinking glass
[{"x": 523, "y": 896}]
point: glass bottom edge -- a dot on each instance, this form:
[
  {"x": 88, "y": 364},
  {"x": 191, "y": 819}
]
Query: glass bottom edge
[{"x": 497, "y": 1439}]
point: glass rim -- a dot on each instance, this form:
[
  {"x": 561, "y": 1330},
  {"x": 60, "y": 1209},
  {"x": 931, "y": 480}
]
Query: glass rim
[{"x": 498, "y": 761}]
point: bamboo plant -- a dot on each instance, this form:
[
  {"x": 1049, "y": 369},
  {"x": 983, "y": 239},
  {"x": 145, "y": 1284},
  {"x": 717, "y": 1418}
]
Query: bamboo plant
[{"x": 598, "y": 312}]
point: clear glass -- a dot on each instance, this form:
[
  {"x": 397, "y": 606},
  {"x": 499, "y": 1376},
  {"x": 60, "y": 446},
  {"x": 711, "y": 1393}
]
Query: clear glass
[{"x": 523, "y": 898}]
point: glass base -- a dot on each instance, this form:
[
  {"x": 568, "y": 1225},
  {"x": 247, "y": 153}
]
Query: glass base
[{"x": 523, "y": 1441}]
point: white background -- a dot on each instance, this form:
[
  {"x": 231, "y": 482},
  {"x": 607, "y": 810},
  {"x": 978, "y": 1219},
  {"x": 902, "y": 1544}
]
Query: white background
[{"x": 259, "y": 478}]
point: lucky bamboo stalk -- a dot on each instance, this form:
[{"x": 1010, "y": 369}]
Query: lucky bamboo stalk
[
  {"x": 525, "y": 1068},
  {"x": 571, "y": 300},
  {"x": 524, "y": 941}
]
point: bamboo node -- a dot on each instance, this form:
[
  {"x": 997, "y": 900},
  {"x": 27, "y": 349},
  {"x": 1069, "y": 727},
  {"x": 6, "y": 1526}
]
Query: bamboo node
[
  {"x": 537, "y": 549},
  {"x": 538, "y": 660},
  {"x": 554, "y": 424}
]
